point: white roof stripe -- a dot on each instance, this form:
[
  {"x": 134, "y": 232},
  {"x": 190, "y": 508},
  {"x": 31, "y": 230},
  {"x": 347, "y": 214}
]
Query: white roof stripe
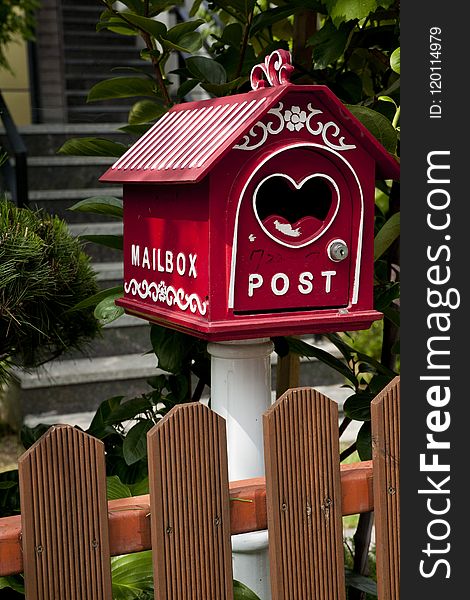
[
  {"x": 226, "y": 132},
  {"x": 195, "y": 125},
  {"x": 186, "y": 138},
  {"x": 169, "y": 138},
  {"x": 157, "y": 139},
  {"x": 207, "y": 133},
  {"x": 143, "y": 143},
  {"x": 177, "y": 157}
]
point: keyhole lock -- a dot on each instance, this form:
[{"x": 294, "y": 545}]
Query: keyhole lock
[{"x": 337, "y": 250}]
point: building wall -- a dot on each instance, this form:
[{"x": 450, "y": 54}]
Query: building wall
[
  {"x": 50, "y": 62},
  {"x": 16, "y": 87}
]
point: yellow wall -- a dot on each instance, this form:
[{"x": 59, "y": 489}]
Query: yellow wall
[{"x": 15, "y": 88}]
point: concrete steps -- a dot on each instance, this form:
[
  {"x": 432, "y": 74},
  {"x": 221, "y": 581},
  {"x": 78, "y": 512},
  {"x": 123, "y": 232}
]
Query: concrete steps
[
  {"x": 88, "y": 382},
  {"x": 77, "y": 385},
  {"x": 88, "y": 57}
]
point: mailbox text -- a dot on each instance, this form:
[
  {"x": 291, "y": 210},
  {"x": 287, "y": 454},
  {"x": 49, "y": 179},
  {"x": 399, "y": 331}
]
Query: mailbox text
[
  {"x": 164, "y": 261},
  {"x": 280, "y": 283}
]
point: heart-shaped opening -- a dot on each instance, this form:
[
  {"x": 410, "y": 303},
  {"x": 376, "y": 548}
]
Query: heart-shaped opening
[{"x": 294, "y": 213}]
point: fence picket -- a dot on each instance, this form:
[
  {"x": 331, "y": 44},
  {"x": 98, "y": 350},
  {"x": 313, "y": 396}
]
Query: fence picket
[
  {"x": 189, "y": 500},
  {"x": 303, "y": 494},
  {"x": 65, "y": 517},
  {"x": 385, "y": 413}
]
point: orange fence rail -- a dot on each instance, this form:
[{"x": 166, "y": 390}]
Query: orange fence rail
[{"x": 129, "y": 518}]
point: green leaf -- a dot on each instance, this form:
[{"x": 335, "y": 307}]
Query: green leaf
[
  {"x": 348, "y": 10},
  {"x": 190, "y": 43},
  {"x": 99, "y": 427},
  {"x": 377, "y": 124},
  {"x": 107, "y": 311},
  {"x": 30, "y": 435},
  {"x": 121, "y": 87},
  {"x": 115, "y": 24},
  {"x": 357, "y": 406},
  {"x": 387, "y": 235},
  {"x": 186, "y": 87},
  {"x": 116, "y": 292},
  {"x": 206, "y": 69},
  {"x": 385, "y": 294},
  {"x": 378, "y": 383},
  {"x": 364, "y": 441},
  {"x": 303, "y": 349},
  {"x": 179, "y": 387},
  {"x": 387, "y": 99},
  {"x": 195, "y": 8},
  {"x": 223, "y": 89},
  {"x": 92, "y": 147},
  {"x": 176, "y": 33},
  {"x": 116, "y": 489},
  {"x": 158, "y": 6},
  {"x": 348, "y": 86},
  {"x": 14, "y": 582},
  {"x": 345, "y": 349},
  {"x": 361, "y": 582},
  {"x": 268, "y": 18},
  {"x": 395, "y": 61},
  {"x": 128, "y": 410},
  {"x": 110, "y": 241},
  {"x": 10, "y": 495},
  {"x": 232, "y": 35},
  {"x": 137, "y": 130},
  {"x": 242, "y": 592},
  {"x": 151, "y": 26},
  {"x": 144, "y": 111},
  {"x": 329, "y": 43},
  {"x": 100, "y": 205},
  {"x": 173, "y": 348},
  {"x": 6, "y": 485},
  {"x": 140, "y": 488},
  {"x": 132, "y": 575},
  {"x": 379, "y": 368},
  {"x": 393, "y": 315},
  {"x": 134, "y": 447}
]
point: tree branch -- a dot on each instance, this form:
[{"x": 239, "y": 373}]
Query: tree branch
[{"x": 246, "y": 37}]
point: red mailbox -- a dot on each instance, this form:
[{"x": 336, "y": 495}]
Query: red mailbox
[{"x": 252, "y": 215}]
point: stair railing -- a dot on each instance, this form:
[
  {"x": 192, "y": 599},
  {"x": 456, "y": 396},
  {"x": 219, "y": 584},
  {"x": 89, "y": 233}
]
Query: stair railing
[{"x": 15, "y": 177}]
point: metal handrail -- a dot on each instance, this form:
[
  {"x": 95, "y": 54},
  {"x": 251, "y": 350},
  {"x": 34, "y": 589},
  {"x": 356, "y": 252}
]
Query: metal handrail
[{"x": 16, "y": 177}]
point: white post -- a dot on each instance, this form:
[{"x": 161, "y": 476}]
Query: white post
[{"x": 241, "y": 393}]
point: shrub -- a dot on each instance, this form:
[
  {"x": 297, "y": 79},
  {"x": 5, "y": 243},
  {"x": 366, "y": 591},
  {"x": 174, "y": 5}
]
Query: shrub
[{"x": 43, "y": 274}]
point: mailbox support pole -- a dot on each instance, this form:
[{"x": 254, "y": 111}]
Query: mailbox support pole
[{"x": 241, "y": 393}]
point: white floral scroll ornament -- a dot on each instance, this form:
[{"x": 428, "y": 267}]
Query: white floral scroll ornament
[
  {"x": 295, "y": 118},
  {"x": 166, "y": 295},
  {"x": 276, "y": 70}
]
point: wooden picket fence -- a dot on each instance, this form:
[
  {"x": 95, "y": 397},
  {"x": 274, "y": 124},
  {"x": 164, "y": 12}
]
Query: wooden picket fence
[{"x": 67, "y": 530}]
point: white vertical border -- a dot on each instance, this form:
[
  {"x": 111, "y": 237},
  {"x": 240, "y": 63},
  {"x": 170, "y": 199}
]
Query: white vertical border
[{"x": 357, "y": 269}]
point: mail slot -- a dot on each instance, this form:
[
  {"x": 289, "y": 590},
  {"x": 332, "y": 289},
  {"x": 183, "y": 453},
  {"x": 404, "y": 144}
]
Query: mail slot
[{"x": 253, "y": 215}]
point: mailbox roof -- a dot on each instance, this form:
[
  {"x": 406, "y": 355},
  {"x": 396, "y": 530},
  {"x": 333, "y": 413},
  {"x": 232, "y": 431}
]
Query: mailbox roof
[{"x": 191, "y": 138}]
